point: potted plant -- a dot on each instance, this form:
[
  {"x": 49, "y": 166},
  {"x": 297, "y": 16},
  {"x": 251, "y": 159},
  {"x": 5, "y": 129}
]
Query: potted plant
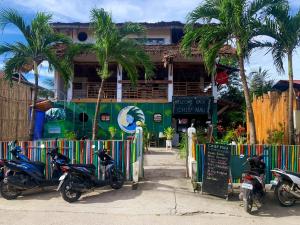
[{"x": 169, "y": 134}]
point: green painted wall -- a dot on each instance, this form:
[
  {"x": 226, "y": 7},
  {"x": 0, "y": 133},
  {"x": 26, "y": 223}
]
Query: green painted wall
[{"x": 73, "y": 123}]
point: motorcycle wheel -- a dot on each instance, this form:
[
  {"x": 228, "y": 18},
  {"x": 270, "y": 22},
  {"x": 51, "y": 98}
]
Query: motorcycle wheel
[
  {"x": 284, "y": 198},
  {"x": 248, "y": 202},
  {"x": 67, "y": 194},
  {"x": 116, "y": 179},
  {"x": 8, "y": 192}
]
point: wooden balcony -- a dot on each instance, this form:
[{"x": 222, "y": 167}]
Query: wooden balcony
[
  {"x": 146, "y": 90},
  {"x": 90, "y": 90},
  {"x": 143, "y": 91},
  {"x": 190, "y": 89}
]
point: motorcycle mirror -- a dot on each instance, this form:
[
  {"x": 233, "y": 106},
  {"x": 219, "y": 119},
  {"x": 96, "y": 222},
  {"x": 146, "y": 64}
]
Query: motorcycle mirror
[
  {"x": 93, "y": 146},
  {"x": 242, "y": 156}
]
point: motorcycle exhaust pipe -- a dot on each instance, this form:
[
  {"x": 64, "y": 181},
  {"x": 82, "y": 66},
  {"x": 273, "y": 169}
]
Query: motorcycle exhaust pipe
[
  {"x": 79, "y": 187},
  {"x": 294, "y": 193}
]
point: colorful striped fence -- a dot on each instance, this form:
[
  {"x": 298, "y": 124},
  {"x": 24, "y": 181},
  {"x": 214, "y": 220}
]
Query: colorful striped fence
[
  {"x": 125, "y": 153},
  {"x": 281, "y": 156}
]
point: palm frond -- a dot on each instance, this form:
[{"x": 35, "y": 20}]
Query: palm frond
[
  {"x": 11, "y": 16},
  {"x": 131, "y": 28}
]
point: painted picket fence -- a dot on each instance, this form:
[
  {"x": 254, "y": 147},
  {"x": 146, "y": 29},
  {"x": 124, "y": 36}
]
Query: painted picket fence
[
  {"x": 275, "y": 156},
  {"x": 124, "y": 152}
]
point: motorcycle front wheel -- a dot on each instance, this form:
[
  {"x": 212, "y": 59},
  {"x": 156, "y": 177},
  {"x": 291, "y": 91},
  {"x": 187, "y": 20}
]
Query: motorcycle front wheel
[
  {"x": 248, "y": 201},
  {"x": 67, "y": 193},
  {"x": 284, "y": 198},
  {"x": 116, "y": 179},
  {"x": 8, "y": 192}
]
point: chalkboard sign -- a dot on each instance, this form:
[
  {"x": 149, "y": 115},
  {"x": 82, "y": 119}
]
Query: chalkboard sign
[
  {"x": 216, "y": 169},
  {"x": 191, "y": 105}
]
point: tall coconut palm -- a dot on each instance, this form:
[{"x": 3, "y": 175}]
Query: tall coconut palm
[
  {"x": 284, "y": 28},
  {"x": 113, "y": 45},
  {"x": 226, "y": 22},
  {"x": 38, "y": 46}
]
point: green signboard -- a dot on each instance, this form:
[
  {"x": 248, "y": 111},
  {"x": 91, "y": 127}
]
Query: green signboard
[{"x": 192, "y": 105}]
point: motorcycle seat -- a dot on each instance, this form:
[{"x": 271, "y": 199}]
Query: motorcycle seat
[
  {"x": 294, "y": 174},
  {"x": 89, "y": 166},
  {"x": 39, "y": 164}
]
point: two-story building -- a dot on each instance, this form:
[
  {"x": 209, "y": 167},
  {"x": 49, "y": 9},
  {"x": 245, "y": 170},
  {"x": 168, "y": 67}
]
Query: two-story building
[{"x": 179, "y": 92}]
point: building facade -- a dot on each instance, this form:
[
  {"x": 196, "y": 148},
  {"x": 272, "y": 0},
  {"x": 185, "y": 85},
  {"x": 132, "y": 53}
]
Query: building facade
[{"x": 180, "y": 91}]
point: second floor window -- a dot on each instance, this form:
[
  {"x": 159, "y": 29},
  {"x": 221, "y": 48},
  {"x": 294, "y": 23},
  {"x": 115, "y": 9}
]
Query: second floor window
[{"x": 152, "y": 41}]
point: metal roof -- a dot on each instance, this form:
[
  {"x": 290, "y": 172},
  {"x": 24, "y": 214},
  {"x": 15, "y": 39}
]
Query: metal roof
[{"x": 283, "y": 85}]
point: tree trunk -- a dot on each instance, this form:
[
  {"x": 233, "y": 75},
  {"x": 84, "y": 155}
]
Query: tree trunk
[
  {"x": 34, "y": 100},
  {"x": 249, "y": 108},
  {"x": 95, "y": 122},
  {"x": 290, "y": 102}
]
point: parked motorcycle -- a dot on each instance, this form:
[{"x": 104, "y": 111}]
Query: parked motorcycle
[
  {"x": 79, "y": 178},
  {"x": 23, "y": 174},
  {"x": 287, "y": 186},
  {"x": 253, "y": 187},
  {"x": 1, "y": 169}
]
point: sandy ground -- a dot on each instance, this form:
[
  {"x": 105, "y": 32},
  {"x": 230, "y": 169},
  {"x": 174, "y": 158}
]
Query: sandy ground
[{"x": 164, "y": 197}]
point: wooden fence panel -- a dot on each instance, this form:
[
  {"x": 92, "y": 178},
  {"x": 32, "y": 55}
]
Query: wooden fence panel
[
  {"x": 14, "y": 110},
  {"x": 270, "y": 111}
]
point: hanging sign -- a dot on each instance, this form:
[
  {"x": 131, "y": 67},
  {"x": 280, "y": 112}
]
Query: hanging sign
[{"x": 191, "y": 105}]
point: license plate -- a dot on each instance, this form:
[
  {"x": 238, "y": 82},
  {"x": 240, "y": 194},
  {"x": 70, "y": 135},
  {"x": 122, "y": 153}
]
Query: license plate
[
  {"x": 63, "y": 177},
  {"x": 247, "y": 186}
]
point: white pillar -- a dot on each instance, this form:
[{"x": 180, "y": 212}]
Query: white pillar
[
  {"x": 214, "y": 89},
  {"x": 119, "y": 84},
  {"x": 170, "y": 79},
  {"x": 70, "y": 91}
]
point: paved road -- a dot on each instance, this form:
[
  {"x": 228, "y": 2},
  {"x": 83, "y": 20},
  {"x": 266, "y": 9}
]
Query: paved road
[{"x": 164, "y": 197}]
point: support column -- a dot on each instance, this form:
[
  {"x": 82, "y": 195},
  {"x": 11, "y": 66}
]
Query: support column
[
  {"x": 119, "y": 84},
  {"x": 214, "y": 106},
  {"x": 70, "y": 91},
  {"x": 170, "y": 85}
]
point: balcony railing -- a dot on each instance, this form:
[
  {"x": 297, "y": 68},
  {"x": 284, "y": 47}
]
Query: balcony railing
[
  {"x": 90, "y": 90},
  {"x": 191, "y": 89},
  {"x": 145, "y": 90}
]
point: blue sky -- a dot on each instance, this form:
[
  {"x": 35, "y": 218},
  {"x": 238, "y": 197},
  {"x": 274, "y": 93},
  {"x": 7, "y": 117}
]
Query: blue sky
[{"x": 126, "y": 10}]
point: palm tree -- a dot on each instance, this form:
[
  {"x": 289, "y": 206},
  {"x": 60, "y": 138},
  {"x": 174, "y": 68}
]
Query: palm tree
[
  {"x": 226, "y": 22},
  {"x": 40, "y": 40},
  {"x": 113, "y": 45},
  {"x": 284, "y": 28},
  {"x": 260, "y": 82}
]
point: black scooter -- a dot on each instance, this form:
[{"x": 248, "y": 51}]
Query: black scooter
[
  {"x": 1, "y": 169},
  {"x": 23, "y": 174},
  {"x": 79, "y": 178},
  {"x": 253, "y": 187}
]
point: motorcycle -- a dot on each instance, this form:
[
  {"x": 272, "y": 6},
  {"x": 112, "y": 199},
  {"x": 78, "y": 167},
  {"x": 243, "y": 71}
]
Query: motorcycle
[
  {"x": 1, "y": 169},
  {"x": 253, "y": 187},
  {"x": 23, "y": 174},
  {"x": 79, "y": 178},
  {"x": 287, "y": 186}
]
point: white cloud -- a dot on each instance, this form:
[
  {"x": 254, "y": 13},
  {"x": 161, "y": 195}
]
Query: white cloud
[
  {"x": 125, "y": 10},
  {"x": 137, "y": 11}
]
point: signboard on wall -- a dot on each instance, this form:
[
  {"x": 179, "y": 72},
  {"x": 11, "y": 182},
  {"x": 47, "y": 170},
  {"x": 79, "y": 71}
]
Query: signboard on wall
[
  {"x": 216, "y": 169},
  {"x": 128, "y": 117},
  {"x": 191, "y": 105}
]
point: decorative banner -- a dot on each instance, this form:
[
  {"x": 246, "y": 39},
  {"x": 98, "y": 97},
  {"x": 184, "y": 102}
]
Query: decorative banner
[{"x": 128, "y": 117}]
